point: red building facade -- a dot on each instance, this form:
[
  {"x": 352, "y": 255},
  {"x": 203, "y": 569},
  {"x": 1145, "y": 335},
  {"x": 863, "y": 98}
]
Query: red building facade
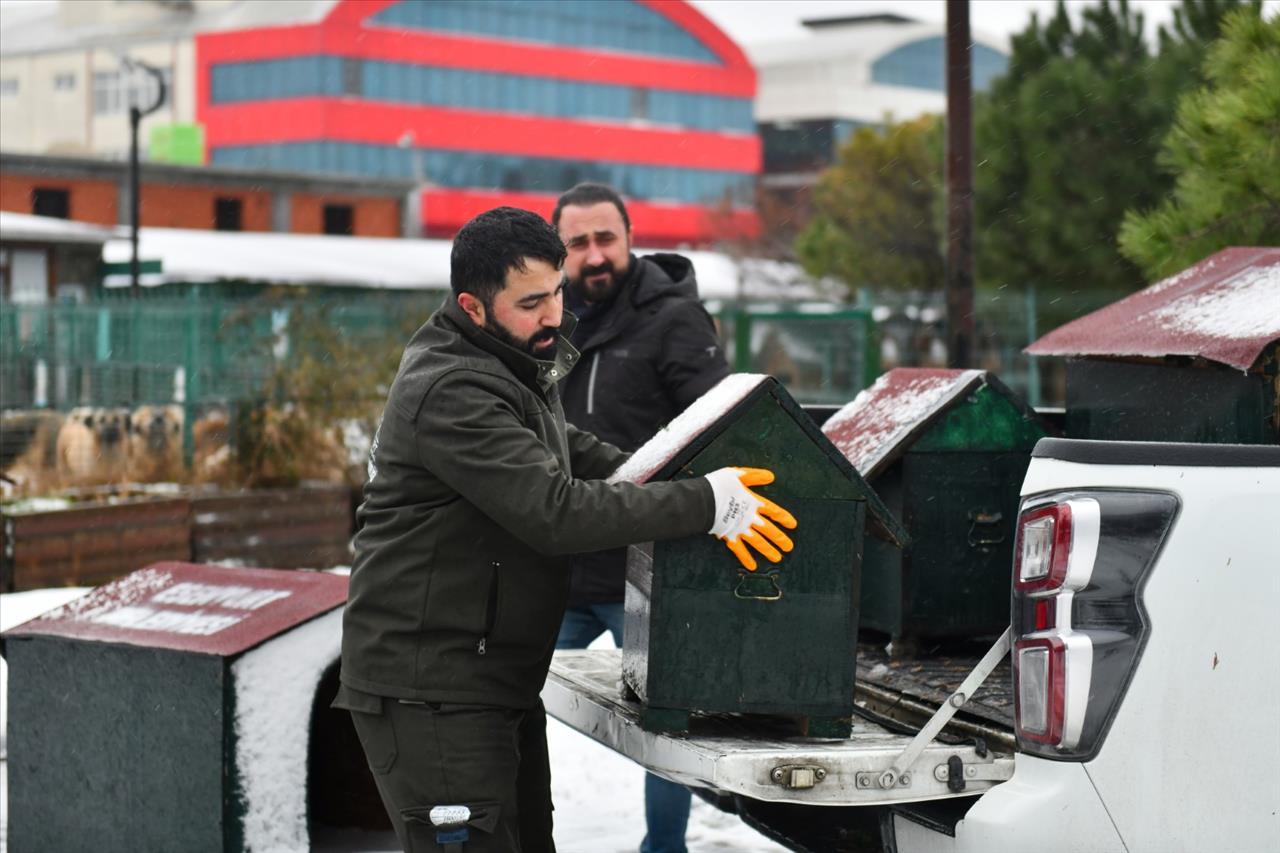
[{"x": 493, "y": 102}]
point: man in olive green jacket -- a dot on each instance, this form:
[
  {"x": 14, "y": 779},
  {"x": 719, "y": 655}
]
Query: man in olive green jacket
[{"x": 477, "y": 490}]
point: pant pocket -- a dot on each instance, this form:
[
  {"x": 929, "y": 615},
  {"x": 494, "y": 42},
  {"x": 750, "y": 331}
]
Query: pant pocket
[
  {"x": 462, "y": 827},
  {"x": 378, "y": 738}
]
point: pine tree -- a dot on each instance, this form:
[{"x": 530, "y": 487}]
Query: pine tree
[
  {"x": 1067, "y": 142},
  {"x": 1225, "y": 151}
]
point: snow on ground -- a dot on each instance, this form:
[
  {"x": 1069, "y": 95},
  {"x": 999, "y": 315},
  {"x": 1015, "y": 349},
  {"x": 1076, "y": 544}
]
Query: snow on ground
[
  {"x": 599, "y": 795},
  {"x": 599, "y": 800}
]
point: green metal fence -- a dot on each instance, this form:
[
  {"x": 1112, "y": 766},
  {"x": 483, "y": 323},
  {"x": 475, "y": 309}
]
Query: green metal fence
[
  {"x": 912, "y": 328},
  {"x": 128, "y": 353},
  {"x": 201, "y": 348},
  {"x": 825, "y": 354}
]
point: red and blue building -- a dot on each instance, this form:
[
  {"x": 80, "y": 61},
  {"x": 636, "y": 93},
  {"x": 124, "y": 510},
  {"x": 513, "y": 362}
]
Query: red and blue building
[{"x": 496, "y": 102}]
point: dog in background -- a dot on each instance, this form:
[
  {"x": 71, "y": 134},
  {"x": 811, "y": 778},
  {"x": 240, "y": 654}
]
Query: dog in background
[
  {"x": 211, "y": 460},
  {"x": 35, "y": 469},
  {"x": 93, "y": 446},
  {"x": 155, "y": 445}
]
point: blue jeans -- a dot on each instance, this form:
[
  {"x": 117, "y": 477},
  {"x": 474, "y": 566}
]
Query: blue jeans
[
  {"x": 581, "y": 625},
  {"x": 666, "y": 804}
]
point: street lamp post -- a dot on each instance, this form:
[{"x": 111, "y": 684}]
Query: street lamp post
[{"x": 135, "y": 193}]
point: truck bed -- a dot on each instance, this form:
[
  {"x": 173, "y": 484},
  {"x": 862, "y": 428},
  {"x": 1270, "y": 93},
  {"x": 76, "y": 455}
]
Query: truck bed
[
  {"x": 907, "y": 692},
  {"x": 759, "y": 757}
]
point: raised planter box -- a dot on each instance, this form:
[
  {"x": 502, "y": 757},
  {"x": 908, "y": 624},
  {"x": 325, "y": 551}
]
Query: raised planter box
[
  {"x": 306, "y": 527},
  {"x": 90, "y": 543}
]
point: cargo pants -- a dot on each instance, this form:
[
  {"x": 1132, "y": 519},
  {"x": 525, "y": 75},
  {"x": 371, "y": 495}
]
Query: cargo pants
[{"x": 489, "y": 759}]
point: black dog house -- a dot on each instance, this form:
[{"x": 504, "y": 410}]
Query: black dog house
[
  {"x": 1195, "y": 357},
  {"x": 174, "y": 709},
  {"x": 704, "y": 635},
  {"x": 947, "y": 451}
]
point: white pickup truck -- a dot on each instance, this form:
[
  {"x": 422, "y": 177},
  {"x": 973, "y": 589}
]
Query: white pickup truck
[{"x": 1139, "y": 712}]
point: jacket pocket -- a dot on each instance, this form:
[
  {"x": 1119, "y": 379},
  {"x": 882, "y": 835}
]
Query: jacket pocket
[
  {"x": 490, "y": 608},
  {"x": 474, "y": 826}
]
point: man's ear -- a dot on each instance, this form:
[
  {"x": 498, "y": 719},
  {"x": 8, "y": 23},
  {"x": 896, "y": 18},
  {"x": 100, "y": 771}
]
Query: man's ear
[{"x": 473, "y": 307}]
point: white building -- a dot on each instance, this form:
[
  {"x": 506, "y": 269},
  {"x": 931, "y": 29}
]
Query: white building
[
  {"x": 846, "y": 73},
  {"x": 64, "y": 89}
]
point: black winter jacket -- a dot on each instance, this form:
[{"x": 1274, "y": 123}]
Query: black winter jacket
[
  {"x": 477, "y": 491},
  {"x": 643, "y": 362}
]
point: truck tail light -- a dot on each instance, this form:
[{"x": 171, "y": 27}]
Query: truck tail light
[{"x": 1079, "y": 562}]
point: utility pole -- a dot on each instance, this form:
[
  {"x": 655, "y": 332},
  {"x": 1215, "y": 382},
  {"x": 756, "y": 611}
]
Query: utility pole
[
  {"x": 959, "y": 278},
  {"x": 136, "y": 115}
]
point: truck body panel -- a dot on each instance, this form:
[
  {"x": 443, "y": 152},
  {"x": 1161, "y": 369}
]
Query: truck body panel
[
  {"x": 1190, "y": 759},
  {"x": 1186, "y": 761}
]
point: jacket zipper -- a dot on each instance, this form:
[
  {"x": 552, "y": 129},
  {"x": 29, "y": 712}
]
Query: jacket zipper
[
  {"x": 591, "y": 384},
  {"x": 491, "y": 610}
]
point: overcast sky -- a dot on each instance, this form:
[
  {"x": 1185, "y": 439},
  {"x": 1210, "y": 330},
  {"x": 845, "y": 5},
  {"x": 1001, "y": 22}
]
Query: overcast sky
[{"x": 748, "y": 21}]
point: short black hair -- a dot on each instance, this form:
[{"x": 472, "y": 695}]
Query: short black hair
[
  {"x": 587, "y": 194},
  {"x": 496, "y": 241}
]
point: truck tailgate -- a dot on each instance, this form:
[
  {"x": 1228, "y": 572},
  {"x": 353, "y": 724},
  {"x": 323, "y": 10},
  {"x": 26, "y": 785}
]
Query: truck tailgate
[{"x": 583, "y": 690}]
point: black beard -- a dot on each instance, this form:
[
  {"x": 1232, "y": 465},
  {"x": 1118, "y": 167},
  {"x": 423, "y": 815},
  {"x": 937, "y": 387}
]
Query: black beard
[
  {"x": 598, "y": 292},
  {"x": 535, "y": 346}
]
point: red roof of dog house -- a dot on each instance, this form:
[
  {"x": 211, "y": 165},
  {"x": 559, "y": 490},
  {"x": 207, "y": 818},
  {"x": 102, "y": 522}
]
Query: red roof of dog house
[
  {"x": 215, "y": 610},
  {"x": 1225, "y": 308},
  {"x": 902, "y": 403}
]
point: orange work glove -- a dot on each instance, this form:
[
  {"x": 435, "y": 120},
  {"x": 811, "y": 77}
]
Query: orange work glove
[{"x": 744, "y": 518}]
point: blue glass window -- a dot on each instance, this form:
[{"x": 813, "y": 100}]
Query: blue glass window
[
  {"x": 922, "y": 65},
  {"x": 477, "y": 170},
  {"x": 591, "y": 24},
  {"x": 481, "y": 90}
]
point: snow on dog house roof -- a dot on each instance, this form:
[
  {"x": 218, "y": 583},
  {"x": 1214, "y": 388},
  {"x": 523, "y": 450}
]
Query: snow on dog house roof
[
  {"x": 205, "y": 609},
  {"x": 1225, "y": 309},
  {"x": 714, "y": 414},
  {"x": 878, "y": 425}
]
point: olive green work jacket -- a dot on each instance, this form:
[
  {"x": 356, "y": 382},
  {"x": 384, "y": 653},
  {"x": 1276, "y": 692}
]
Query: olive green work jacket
[{"x": 477, "y": 491}]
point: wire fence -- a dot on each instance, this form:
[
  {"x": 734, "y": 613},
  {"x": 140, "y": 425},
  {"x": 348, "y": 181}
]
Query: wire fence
[{"x": 201, "y": 351}]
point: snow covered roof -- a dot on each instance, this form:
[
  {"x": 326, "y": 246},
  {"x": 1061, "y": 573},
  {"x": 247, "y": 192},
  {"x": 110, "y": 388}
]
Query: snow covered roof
[
  {"x": 23, "y": 228},
  {"x": 875, "y": 425},
  {"x": 687, "y": 426},
  {"x": 397, "y": 263},
  {"x": 278, "y": 258},
  {"x": 706, "y": 419},
  {"x": 1225, "y": 309},
  {"x": 205, "y": 609}
]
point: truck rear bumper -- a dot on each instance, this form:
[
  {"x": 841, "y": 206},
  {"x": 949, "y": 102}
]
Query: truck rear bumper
[
  {"x": 1048, "y": 806},
  {"x": 583, "y": 691}
]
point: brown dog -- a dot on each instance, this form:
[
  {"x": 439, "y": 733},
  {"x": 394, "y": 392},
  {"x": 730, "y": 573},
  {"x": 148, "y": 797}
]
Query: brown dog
[
  {"x": 36, "y": 468},
  {"x": 93, "y": 446},
  {"x": 211, "y": 460},
  {"x": 155, "y": 445}
]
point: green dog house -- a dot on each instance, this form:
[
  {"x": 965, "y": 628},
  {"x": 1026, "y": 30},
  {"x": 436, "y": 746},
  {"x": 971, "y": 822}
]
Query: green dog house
[
  {"x": 1195, "y": 357},
  {"x": 947, "y": 451},
  {"x": 704, "y": 635},
  {"x": 173, "y": 709}
]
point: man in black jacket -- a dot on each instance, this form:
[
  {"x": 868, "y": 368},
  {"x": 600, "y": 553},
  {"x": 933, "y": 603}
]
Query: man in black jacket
[
  {"x": 649, "y": 349},
  {"x": 477, "y": 490}
]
